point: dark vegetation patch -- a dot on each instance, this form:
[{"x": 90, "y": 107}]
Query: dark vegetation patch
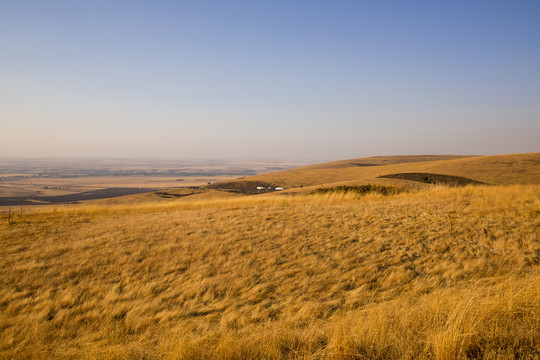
[
  {"x": 428, "y": 178},
  {"x": 359, "y": 189},
  {"x": 168, "y": 194},
  {"x": 244, "y": 187}
]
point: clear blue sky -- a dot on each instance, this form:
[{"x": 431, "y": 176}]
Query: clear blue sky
[{"x": 268, "y": 79}]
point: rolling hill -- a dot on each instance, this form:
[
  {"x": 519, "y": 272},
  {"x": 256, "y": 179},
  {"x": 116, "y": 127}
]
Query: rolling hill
[{"x": 495, "y": 170}]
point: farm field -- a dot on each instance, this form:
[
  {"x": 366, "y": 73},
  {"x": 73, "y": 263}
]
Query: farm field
[{"x": 429, "y": 271}]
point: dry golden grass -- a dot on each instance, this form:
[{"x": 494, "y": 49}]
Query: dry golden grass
[{"x": 443, "y": 273}]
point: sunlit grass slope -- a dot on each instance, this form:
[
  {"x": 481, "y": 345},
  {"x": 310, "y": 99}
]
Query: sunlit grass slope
[
  {"x": 497, "y": 170},
  {"x": 443, "y": 273}
]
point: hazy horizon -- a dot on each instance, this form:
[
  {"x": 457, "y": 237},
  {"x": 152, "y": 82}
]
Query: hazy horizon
[
  {"x": 312, "y": 81},
  {"x": 221, "y": 159}
]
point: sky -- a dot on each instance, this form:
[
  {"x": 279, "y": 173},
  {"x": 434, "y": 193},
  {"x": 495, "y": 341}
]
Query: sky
[{"x": 314, "y": 80}]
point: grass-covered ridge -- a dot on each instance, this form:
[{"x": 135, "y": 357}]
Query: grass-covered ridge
[
  {"x": 443, "y": 273},
  {"x": 496, "y": 169}
]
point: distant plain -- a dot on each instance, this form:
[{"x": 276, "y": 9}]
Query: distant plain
[{"x": 28, "y": 181}]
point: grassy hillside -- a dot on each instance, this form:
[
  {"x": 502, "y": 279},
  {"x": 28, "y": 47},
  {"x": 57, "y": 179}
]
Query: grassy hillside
[
  {"x": 498, "y": 170},
  {"x": 441, "y": 273}
]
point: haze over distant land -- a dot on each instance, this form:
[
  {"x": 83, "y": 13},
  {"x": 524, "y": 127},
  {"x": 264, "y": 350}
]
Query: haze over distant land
[{"x": 275, "y": 79}]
